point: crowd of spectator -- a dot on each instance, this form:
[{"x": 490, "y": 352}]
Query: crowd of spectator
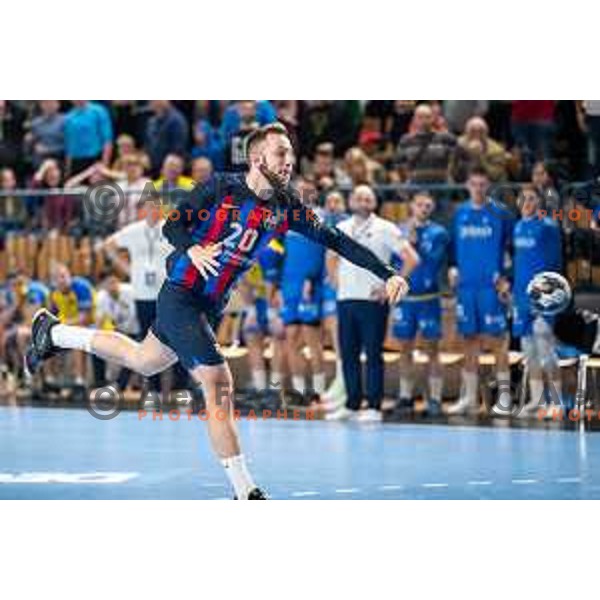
[{"x": 63, "y": 147}]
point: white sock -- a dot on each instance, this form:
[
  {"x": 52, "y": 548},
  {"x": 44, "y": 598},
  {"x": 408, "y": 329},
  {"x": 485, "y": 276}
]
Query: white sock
[
  {"x": 71, "y": 337},
  {"x": 406, "y": 386},
  {"x": 298, "y": 383},
  {"x": 239, "y": 476},
  {"x": 276, "y": 379},
  {"x": 536, "y": 391},
  {"x": 259, "y": 379},
  {"x": 436, "y": 384},
  {"x": 471, "y": 382},
  {"x": 504, "y": 398},
  {"x": 318, "y": 380}
]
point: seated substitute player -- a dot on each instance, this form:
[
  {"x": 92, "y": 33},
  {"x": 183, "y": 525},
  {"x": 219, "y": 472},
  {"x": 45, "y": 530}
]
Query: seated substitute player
[
  {"x": 480, "y": 236},
  {"x": 537, "y": 248},
  {"x": 72, "y": 301},
  {"x": 217, "y": 234},
  {"x": 421, "y": 311}
]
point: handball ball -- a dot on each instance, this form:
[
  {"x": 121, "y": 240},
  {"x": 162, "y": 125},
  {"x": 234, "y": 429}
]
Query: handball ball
[{"x": 549, "y": 293}]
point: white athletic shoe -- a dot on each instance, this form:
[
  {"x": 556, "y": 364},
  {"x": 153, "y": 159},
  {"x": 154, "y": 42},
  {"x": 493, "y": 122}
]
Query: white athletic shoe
[
  {"x": 463, "y": 406},
  {"x": 368, "y": 416},
  {"x": 341, "y": 414},
  {"x": 337, "y": 389},
  {"x": 333, "y": 404}
]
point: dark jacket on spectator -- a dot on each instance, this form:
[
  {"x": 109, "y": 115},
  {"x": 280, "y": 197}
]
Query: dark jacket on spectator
[{"x": 166, "y": 134}]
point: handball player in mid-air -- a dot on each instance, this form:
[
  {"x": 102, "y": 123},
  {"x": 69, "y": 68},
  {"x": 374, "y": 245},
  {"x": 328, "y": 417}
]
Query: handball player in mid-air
[{"x": 217, "y": 234}]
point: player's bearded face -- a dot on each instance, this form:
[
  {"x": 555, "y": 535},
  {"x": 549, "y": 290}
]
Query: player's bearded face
[{"x": 278, "y": 155}]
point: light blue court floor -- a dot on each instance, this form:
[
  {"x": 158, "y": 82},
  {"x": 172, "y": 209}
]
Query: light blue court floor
[{"x": 56, "y": 453}]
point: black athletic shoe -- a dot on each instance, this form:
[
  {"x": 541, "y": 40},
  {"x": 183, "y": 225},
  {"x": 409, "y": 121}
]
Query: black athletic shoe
[
  {"x": 404, "y": 408},
  {"x": 256, "y": 494},
  {"x": 40, "y": 347},
  {"x": 434, "y": 409}
]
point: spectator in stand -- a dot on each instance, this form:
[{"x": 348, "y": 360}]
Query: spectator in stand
[
  {"x": 129, "y": 118},
  {"x": 288, "y": 112},
  {"x": 58, "y": 208},
  {"x": 438, "y": 120},
  {"x": 13, "y": 212},
  {"x": 12, "y": 117},
  {"x": 46, "y": 138},
  {"x": 325, "y": 120},
  {"x": 233, "y": 137},
  {"x": 323, "y": 170},
  {"x": 398, "y": 122},
  {"x": 543, "y": 183},
  {"x": 202, "y": 169},
  {"x": 369, "y": 141},
  {"x": 72, "y": 300},
  {"x": 125, "y": 146},
  {"x": 426, "y": 155},
  {"x": 94, "y": 175},
  {"x": 115, "y": 311},
  {"x": 458, "y": 113},
  {"x": 172, "y": 177},
  {"x": 208, "y": 144},
  {"x": 476, "y": 149},
  {"x": 358, "y": 169},
  {"x": 135, "y": 186},
  {"x": 263, "y": 112},
  {"x": 532, "y": 124},
  {"x": 88, "y": 136},
  {"x": 588, "y": 117},
  {"x": 166, "y": 133}
]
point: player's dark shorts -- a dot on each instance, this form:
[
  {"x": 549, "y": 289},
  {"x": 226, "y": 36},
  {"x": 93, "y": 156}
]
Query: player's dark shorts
[
  {"x": 414, "y": 316},
  {"x": 186, "y": 322}
]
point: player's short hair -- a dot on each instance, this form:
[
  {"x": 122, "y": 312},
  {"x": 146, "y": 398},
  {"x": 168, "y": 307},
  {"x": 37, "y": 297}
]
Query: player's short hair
[
  {"x": 422, "y": 194},
  {"x": 260, "y": 135},
  {"x": 478, "y": 172}
]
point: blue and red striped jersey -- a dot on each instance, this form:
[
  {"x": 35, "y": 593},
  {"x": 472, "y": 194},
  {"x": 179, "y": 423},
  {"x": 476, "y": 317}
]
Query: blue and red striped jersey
[{"x": 226, "y": 210}]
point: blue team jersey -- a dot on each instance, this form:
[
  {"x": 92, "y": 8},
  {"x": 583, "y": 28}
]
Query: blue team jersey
[
  {"x": 537, "y": 248},
  {"x": 304, "y": 259},
  {"x": 480, "y": 237},
  {"x": 37, "y": 293},
  {"x": 431, "y": 246}
]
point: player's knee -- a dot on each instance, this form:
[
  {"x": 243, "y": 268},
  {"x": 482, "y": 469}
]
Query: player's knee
[{"x": 140, "y": 364}]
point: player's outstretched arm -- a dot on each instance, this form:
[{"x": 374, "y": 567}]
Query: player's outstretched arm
[{"x": 305, "y": 221}]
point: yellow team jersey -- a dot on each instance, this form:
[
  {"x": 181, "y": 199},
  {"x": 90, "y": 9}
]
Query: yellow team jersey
[
  {"x": 67, "y": 306},
  {"x": 254, "y": 278},
  {"x": 183, "y": 183}
]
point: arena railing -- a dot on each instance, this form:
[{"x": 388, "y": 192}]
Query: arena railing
[{"x": 560, "y": 203}]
